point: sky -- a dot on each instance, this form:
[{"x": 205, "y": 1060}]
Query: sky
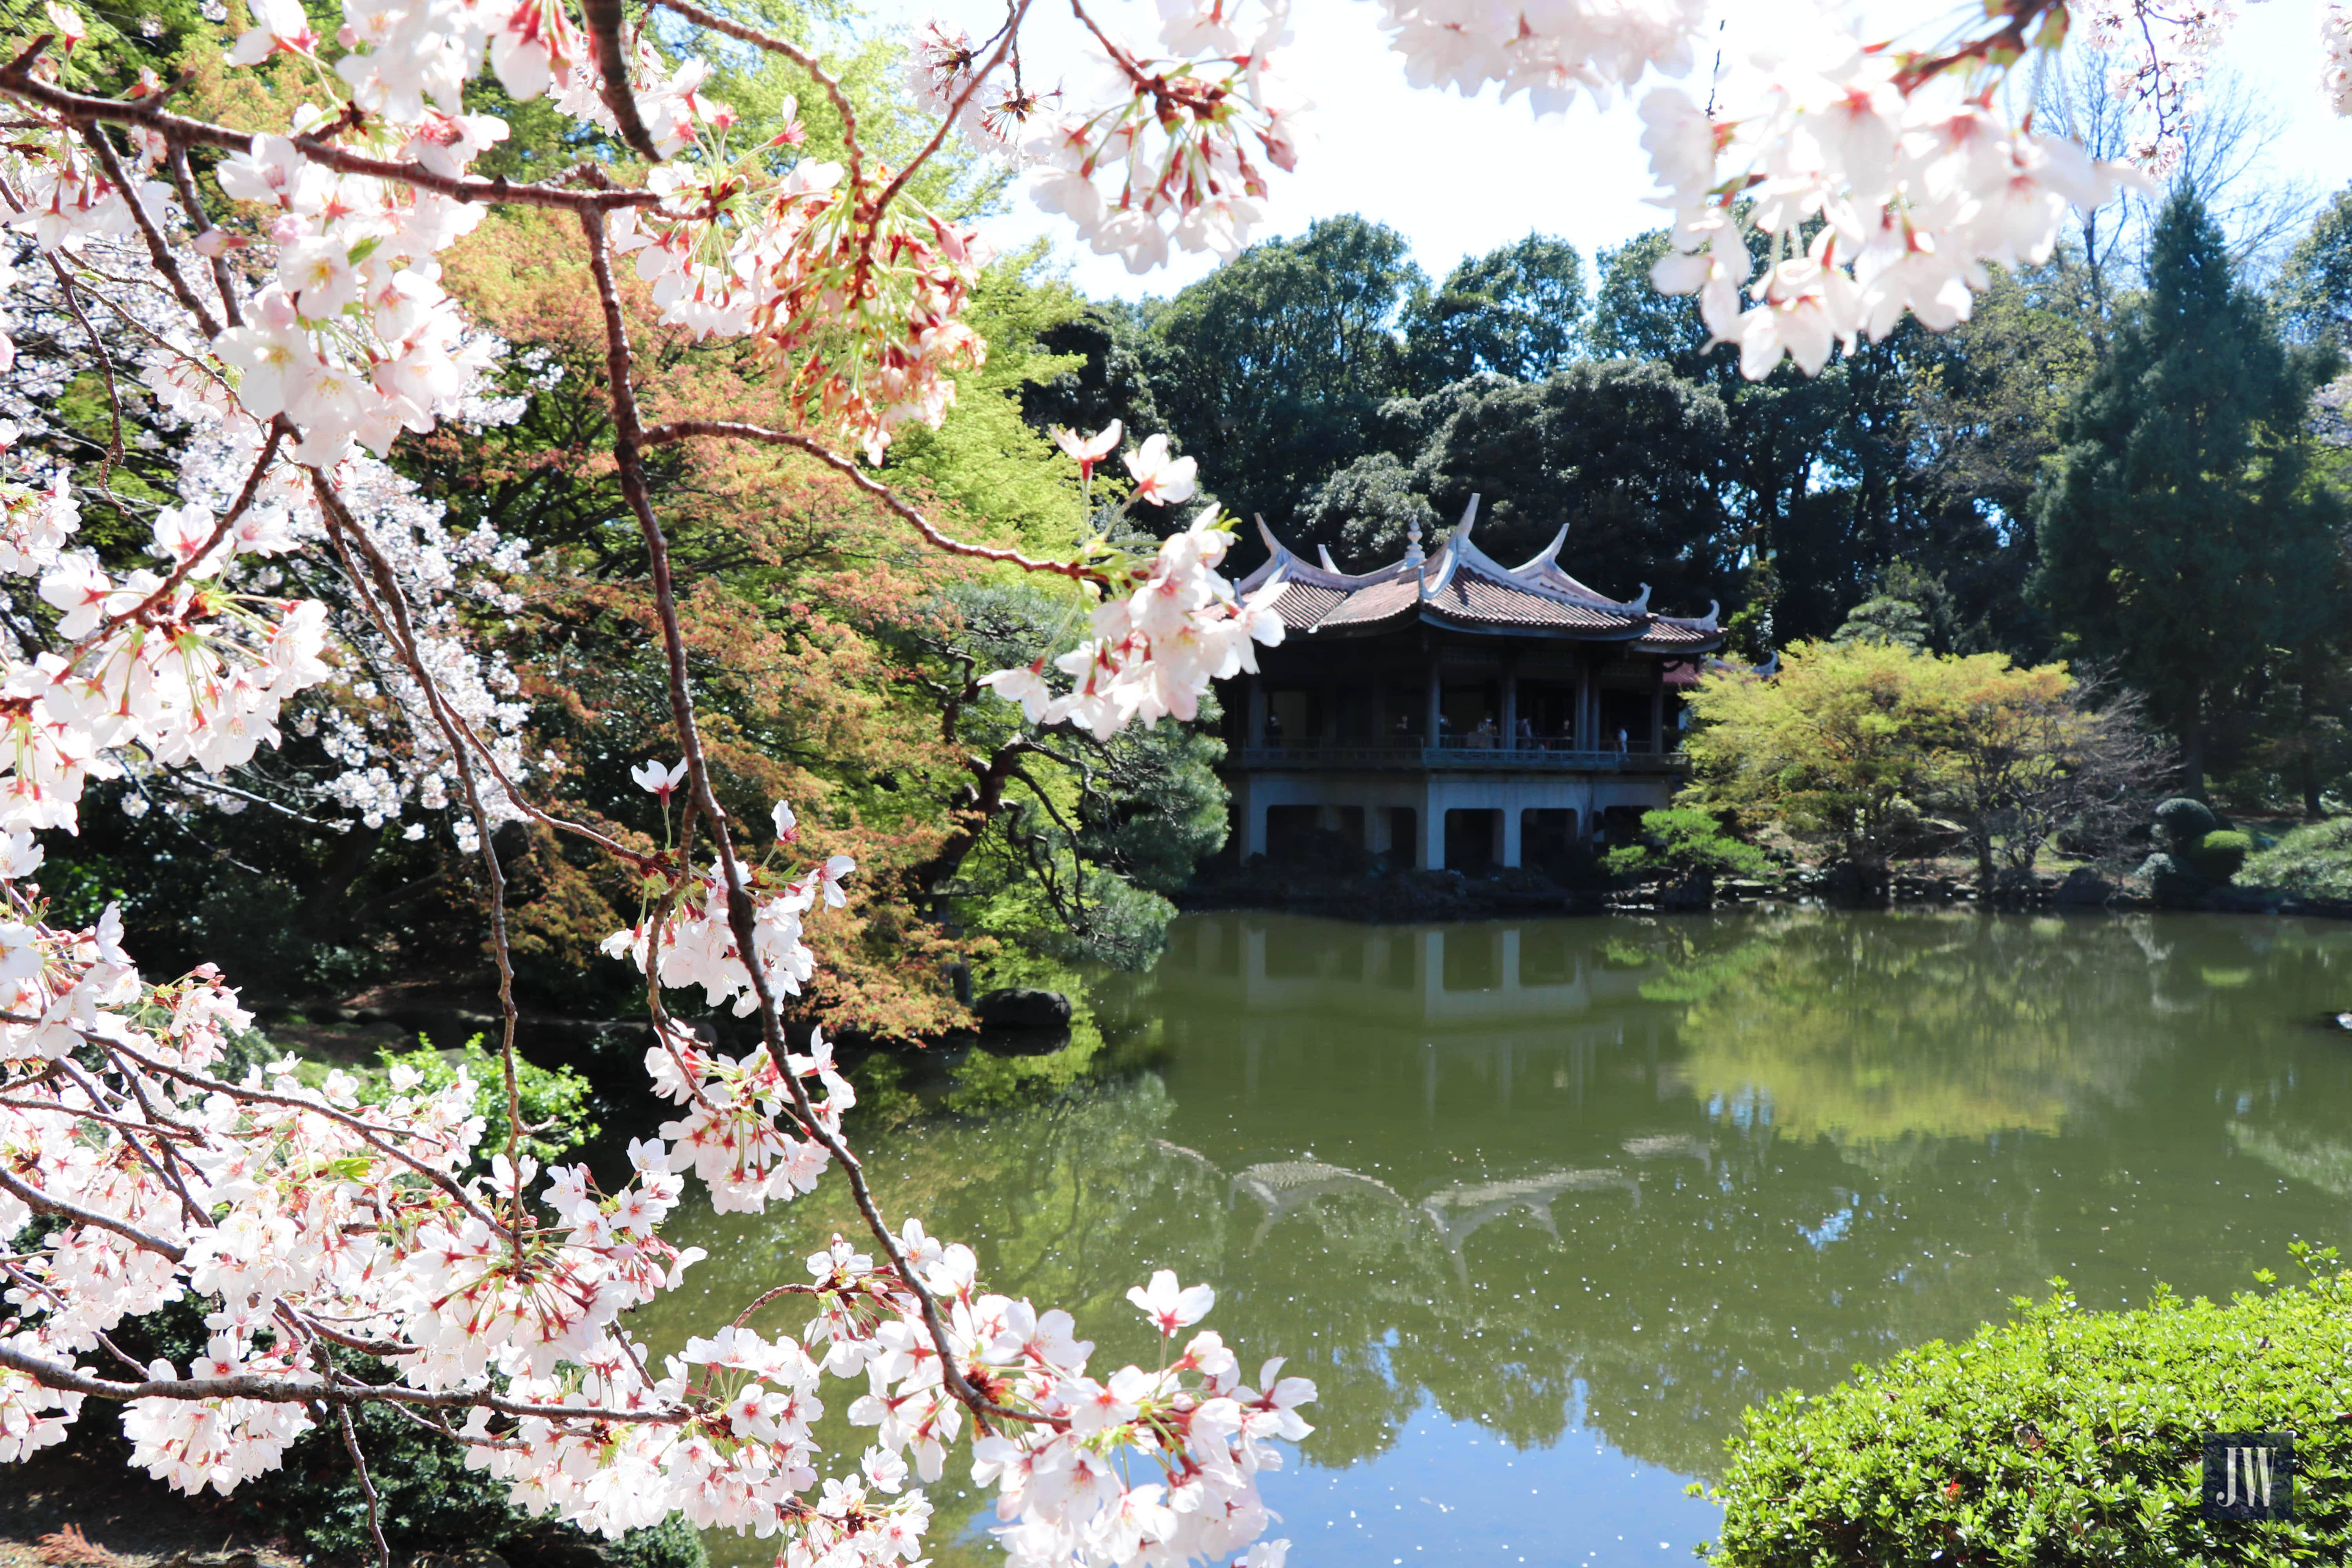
[{"x": 1459, "y": 177}]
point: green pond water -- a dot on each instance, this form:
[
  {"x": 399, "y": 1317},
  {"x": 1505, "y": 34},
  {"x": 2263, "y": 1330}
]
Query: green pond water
[{"x": 1543, "y": 1206}]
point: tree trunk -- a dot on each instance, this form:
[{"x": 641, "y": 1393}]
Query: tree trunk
[
  {"x": 1983, "y": 838},
  {"x": 2192, "y": 747},
  {"x": 2306, "y": 765},
  {"x": 983, "y": 799}
]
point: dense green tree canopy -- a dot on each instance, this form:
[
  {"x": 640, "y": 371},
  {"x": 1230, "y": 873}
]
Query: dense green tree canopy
[
  {"x": 1278, "y": 360},
  {"x": 1517, "y": 311},
  {"x": 2315, "y": 288}
]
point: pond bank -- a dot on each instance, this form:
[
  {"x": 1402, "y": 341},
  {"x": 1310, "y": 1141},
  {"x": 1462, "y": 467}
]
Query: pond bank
[{"x": 1382, "y": 896}]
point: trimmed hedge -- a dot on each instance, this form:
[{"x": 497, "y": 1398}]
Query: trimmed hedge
[
  {"x": 2220, "y": 854},
  {"x": 2065, "y": 1438}
]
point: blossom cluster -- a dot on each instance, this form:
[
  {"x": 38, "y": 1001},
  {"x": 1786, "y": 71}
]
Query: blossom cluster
[
  {"x": 2335, "y": 55},
  {"x": 174, "y": 665},
  {"x": 1908, "y": 197},
  {"x": 2159, "y": 51},
  {"x": 1168, "y": 626},
  {"x": 1550, "y": 51},
  {"x": 312, "y": 1220},
  {"x": 1167, "y": 149},
  {"x": 857, "y": 313}
]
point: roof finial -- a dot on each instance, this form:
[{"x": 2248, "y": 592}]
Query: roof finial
[{"x": 1412, "y": 555}]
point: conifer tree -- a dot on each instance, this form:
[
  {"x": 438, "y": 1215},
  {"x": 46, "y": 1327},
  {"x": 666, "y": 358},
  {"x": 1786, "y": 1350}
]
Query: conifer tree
[{"x": 2180, "y": 538}]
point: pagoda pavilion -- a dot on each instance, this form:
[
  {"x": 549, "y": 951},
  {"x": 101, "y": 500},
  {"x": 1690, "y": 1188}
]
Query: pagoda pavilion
[{"x": 1455, "y": 712}]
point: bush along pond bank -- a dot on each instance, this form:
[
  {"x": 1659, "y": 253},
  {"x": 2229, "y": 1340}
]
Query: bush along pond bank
[
  {"x": 1688, "y": 858},
  {"x": 2065, "y": 1436}
]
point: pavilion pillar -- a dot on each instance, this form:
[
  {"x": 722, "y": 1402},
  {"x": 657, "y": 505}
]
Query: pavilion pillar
[
  {"x": 1510, "y": 712},
  {"x": 1436, "y": 691},
  {"x": 1252, "y": 819},
  {"x": 1512, "y": 817},
  {"x": 1432, "y": 826},
  {"x": 1658, "y": 711},
  {"x": 1588, "y": 715}
]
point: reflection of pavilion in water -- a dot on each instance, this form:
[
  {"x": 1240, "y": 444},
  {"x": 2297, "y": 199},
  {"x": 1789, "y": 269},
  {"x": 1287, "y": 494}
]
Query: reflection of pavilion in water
[
  {"x": 1482, "y": 1005},
  {"x": 1489, "y": 999}
]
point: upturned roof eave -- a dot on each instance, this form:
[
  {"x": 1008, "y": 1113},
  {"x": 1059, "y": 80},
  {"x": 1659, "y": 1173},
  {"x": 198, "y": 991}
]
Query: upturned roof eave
[{"x": 1424, "y": 612}]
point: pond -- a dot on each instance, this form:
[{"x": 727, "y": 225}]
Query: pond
[{"x": 1542, "y": 1207}]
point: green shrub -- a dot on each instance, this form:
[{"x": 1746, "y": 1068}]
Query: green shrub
[
  {"x": 555, "y": 1101},
  {"x": 2220, "y": 854},
  {"x": 2315, "y": 861},
  {"x": 1683, "y": 840},
  {"x": 2065, "y": 1438},
  {"x": 2184, "y": 821}
]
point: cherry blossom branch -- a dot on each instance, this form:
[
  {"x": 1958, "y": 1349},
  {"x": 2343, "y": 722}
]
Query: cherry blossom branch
[
  {"x": 1011, "y": 32},
  {"x": 394, "y": 631},
  {"x": 359, "y": 1464},
  {"x": 18, "y": 81},
  {"x": 730, "y": 429},
  {"x": 367, "y": 1131},
  {"x": 341, "y": 525},
  {"x": 191, "y": 202},
  {"x": 628, "y": 434},
  {"x": 605, "y": 19},
  {"x": 68, "y": 1379},
  {"x": 157, "y": 250},
  {"x": 279, "y": 429},
  {"x": 39, "y": 1202}
]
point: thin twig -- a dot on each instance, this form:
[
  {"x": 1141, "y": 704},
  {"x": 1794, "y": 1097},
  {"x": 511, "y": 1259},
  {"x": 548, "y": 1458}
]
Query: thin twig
[
  {"x": 830, "y": 83},
  {"x": 730, "y": 429},
  {"x": 191, "y": 202},
  {"x": 157, "y": 250},
  {"x": 342, "y": 526}
]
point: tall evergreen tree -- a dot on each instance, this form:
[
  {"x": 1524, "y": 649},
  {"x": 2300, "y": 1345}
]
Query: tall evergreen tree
[{"x": 2179, "y": 536}]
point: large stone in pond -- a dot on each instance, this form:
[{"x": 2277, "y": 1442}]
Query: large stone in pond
[
  {"x": 2082, "y": 888},
  {"x": 1020, "y": 1007}
]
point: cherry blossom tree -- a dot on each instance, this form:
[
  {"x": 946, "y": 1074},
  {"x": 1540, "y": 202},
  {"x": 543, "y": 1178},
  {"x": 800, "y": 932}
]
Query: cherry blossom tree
[{"x": 278, "y": 293}]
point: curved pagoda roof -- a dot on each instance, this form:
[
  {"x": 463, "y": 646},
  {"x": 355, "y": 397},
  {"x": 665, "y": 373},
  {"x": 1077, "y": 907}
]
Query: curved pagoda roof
[{"x": 1464, "y": 589}]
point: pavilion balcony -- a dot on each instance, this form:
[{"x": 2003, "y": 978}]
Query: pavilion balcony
[{"x": 1468, "y": 754}]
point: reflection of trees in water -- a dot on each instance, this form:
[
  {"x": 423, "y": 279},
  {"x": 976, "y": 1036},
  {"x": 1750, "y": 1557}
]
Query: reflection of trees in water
[
  {"x": 1519, "y": 1224},
  {"x": 1961, "y": 1027}
]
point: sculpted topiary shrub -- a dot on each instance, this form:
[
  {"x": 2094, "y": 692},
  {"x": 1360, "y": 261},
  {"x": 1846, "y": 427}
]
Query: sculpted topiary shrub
[
  {"x": 2184, "y": 821},
  {"x": 2066, "y": 1436},
  {"x": 2220, "y": 854}
]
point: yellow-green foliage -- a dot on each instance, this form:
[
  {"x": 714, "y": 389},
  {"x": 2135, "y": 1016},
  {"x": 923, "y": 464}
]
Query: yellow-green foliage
[
  {"x": 1853, "y": 741},
  {"x": 984, "y": 459}
]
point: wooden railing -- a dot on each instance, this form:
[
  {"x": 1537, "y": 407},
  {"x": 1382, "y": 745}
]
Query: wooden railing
[{"x": 1458, "y": 752}]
